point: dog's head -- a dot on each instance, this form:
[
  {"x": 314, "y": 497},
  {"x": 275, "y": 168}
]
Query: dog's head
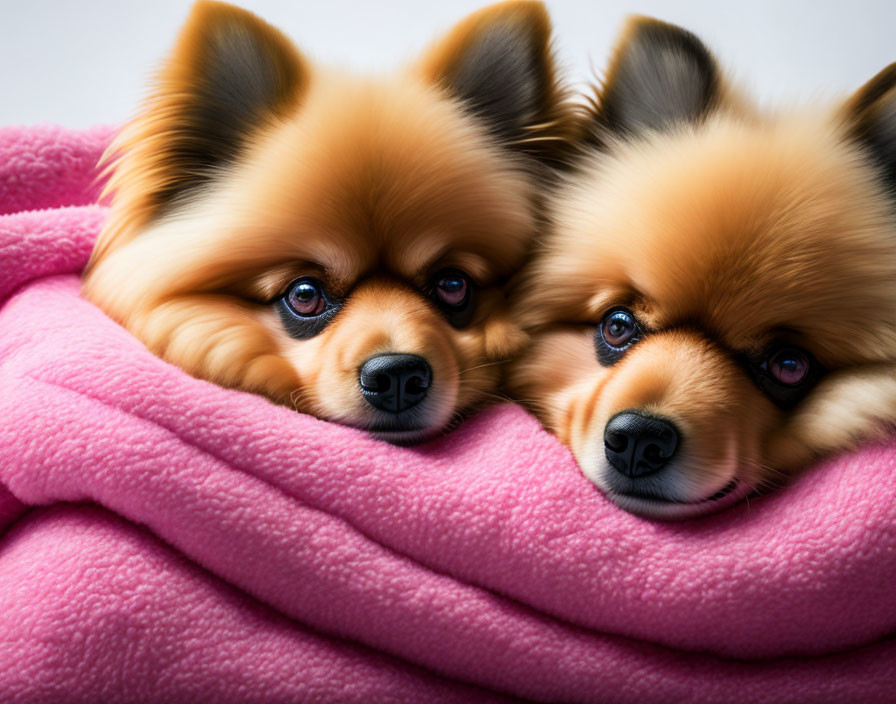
[
  {"x": 715, "y": 304},
  {"x": 333, "y": 242}
]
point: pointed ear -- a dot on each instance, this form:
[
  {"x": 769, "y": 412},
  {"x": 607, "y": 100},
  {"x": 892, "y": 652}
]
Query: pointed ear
[
  {"x": 498, "y": 62},
  {"x": 870, "y": 117},
  {"x": 660, "y": 76},
  {"x": 229, "y": 74}
]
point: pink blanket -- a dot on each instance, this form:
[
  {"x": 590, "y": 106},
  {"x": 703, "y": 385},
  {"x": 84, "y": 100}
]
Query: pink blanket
[{"x": 166, "y": 540}]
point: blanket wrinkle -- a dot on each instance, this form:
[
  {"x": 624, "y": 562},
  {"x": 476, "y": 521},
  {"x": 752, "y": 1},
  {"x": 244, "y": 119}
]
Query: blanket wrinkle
[
  {"x": 36, "y": 245},
  {"x": 127, "y": 562},
  {"x": 557, "y": 618},
  {"x": 300, "y": 502},
  {"x": 481, "y": 559},
  {"x": 305, "y": 504},
  {"x": 247, "y": 587}
]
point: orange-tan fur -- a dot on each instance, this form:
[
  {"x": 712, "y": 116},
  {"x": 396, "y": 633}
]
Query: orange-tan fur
[
  {"x": 372, "y": 184},
  {"x": 721, "y": 236}
]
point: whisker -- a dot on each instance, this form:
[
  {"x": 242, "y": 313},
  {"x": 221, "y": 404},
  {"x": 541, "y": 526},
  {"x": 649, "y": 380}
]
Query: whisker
[
  {"x": 497, "y": 398},
  {"x": 456, "y": 419},
  {"x": 771, "y": 479},
  {"x": 296, "y": 397},
  {"x": 481, "y": 366},
  {"x": 531, "y": 403},
  {"x": 771, "y": 469}
]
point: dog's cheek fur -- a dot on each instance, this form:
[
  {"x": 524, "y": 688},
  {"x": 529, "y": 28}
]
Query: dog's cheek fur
[
  {"x": 500, "y": 335},
  {"x": 555, "y": 374}
]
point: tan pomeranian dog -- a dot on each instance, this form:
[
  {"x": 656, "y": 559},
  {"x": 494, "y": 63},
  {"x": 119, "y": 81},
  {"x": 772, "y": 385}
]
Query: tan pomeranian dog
[
  {"x": 333, "y": 242},
  {"x": 715, "y": 302}
]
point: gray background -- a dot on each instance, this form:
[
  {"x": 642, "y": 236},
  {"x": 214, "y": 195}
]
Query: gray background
[{"x": 82, "y": 63}]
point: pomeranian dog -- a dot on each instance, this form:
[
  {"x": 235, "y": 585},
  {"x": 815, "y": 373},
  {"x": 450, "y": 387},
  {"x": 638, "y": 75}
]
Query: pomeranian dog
[
  {"x": 335, "y": 243},
  {"x": 714, "y": 304}
]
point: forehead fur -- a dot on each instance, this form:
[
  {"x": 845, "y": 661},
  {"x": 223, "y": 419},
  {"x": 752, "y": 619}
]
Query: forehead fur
[
  {"x": 741, "y": 228},
  {"x": 395, "y": 164},
  {"x": 365, "y": 174}
]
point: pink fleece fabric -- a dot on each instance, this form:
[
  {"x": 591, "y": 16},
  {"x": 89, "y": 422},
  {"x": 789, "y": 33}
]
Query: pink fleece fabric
[{"x": 167, "y": 540}]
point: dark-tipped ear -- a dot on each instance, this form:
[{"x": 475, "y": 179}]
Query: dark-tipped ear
[
  {"x": 498, "y": 62},
  {"x": 871, "y": 119},
  {"x": 228, "y": 75},
  {"x": 660, "y": 76}
]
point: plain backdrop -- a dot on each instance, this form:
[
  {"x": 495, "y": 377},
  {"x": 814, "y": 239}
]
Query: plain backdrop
[{"x": 82, "y": 63}]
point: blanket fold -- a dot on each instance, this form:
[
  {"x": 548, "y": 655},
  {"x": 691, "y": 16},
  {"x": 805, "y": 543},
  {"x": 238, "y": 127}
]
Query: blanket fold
[{"x": 209, "y": 545}]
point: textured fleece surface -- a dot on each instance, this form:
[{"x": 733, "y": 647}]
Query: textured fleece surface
[{"x": 163, "y": 539}]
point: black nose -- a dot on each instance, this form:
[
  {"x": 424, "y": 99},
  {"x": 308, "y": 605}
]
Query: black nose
[
  {"x": 395, "y": 382},
  {"x": 638, "y": 444}
]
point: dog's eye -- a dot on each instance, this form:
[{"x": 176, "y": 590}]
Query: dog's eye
[
  {"x": 618, "y": 328},
  {"x": 618, "y": 331},
  {"x": 788, "y": 366},
  {"x": 786, "y": 374},
  {"x": 306, "y": 297},
  {"x": 305, "y": 309},
  {"x": 452, "y": 291}
]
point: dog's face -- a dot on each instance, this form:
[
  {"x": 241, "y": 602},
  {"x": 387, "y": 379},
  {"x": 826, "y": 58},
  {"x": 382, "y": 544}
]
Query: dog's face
[
  {"x": 715, "y": 304},
  {"x": 335, "y": 243}
]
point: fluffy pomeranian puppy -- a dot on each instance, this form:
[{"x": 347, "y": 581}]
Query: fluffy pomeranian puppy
[
  {"x": 333, "y": 242},
  {"x": 715, "y": 302}
]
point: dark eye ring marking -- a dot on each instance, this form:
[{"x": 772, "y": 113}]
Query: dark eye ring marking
[
  {"x": 453, "y": 292},
  {"x": 786, "y": 374}
]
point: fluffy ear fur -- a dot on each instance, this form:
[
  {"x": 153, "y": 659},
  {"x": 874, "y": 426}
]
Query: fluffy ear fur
[
  {"x": 660, "y": 76},
  {"x": 871, "y": 118},
  {"x": 499, "y": 62},
  {"x": 229, "y": 73}
]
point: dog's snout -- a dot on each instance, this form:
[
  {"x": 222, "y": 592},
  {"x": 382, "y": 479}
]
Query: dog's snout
[
  {"x": 395, "y": 382},
  {"x": 638, "y": 445}
]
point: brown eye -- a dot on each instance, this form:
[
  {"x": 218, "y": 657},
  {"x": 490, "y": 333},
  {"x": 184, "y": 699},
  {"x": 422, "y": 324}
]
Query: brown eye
[
  {"x": 305, "y": 297},
  {"x": 306, "y": 309},
  {"x": 788, "y": 366},
  {"x": 786, "y": 374},
  {"x": 453, "y": 292},
  {"x": 619, "y": 328},
  {"x": 618, "y": 331},
  {"x": 452, "y": 289}
]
